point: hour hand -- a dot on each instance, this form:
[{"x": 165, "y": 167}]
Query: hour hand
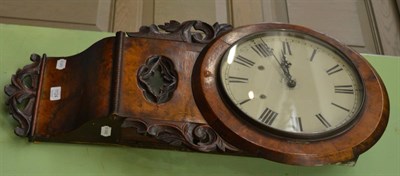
[{"x": 285, "y": 64}]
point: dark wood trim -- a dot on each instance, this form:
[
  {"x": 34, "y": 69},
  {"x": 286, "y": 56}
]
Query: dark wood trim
[{"x": 118, "y": 59}]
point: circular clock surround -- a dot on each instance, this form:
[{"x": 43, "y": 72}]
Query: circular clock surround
[
  {"x": 371, "y": 120},
  {"x": 324, "y": 100}
]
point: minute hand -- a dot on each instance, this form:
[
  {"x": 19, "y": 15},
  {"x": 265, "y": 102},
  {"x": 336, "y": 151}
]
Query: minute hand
[{"x": 285, "y": 68}]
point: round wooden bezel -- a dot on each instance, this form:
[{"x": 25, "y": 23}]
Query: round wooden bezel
[{"x": 342, "y": 148}]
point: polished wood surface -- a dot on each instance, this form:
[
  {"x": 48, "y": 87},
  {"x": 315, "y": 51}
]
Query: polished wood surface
[
  {"x": 85, "y": 91},
  {"x": 102, "y": 98},
  {"x": 182, "y": 106}
]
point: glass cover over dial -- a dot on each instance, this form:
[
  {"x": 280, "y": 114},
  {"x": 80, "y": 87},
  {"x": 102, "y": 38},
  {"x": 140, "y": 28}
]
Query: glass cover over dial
[{"x": 291, "y": 83}]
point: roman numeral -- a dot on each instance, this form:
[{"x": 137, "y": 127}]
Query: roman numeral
[
  {"x": 344, "y": 89},
  {"x": 244, "y": 61},
  {"x": 323, "y": 120},
  {"x": 334, "y": 69},
  {"x": 341, "y": 107},
  {"x": 262, "y": 49},
  {"x": 313, "y": 55},
  {"x": 268, "y": 116},
  {"x": 233, "y": 79},
  {"x": 297, "y": 124},
  {"x": 286, "y": 48}
]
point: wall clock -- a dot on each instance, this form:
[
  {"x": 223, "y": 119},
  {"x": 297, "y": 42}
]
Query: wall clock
[
  {"x": 277, "y": 91},
  {"x": 291, "y": 94}
]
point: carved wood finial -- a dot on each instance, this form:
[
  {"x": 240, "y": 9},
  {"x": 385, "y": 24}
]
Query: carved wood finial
[
  {"x": 22, "y": 94},
  {"x": 193, "y": 31}
]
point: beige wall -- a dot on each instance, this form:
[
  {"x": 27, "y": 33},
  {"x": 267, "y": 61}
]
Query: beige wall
[{"x": 368, "y": 26}]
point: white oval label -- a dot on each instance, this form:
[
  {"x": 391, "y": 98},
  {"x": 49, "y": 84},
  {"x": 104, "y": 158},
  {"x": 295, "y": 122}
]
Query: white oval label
[
  {"x": 105, "y": 131},
  {"x": 61, "y": 63},
  {"x": 55, "y": 93}
]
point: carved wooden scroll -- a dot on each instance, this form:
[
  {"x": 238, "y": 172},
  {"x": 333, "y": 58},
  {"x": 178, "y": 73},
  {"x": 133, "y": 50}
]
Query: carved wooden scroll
[
  {"x": 200, "y": 137},
  {"x": 22, "y": 94},
  {"x": 189, "y": 31}
]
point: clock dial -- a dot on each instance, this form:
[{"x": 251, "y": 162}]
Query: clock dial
[{"x": 291, "y": 83}]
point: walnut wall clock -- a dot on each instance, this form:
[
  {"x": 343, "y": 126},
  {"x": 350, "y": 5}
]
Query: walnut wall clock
[{"x": 277, "y": 91}]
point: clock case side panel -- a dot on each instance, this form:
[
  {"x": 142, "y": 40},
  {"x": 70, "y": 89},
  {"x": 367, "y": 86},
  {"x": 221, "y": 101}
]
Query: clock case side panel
[
  {"x": 84, "y": 102},
  {"x": 340, "y": 149},
  {"x": 29, "y": 93}
]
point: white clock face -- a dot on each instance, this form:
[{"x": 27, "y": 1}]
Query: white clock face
[{"x": 292, "y": 83}]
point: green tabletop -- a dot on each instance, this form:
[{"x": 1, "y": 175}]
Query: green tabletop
[{"x": 19, "y": 157}]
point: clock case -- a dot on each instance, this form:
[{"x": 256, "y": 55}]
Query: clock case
[{"x": 158, "y": 88}]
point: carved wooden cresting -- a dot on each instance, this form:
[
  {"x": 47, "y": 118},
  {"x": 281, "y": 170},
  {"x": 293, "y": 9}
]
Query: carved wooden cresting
[{"x": 157, "y": 88}]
